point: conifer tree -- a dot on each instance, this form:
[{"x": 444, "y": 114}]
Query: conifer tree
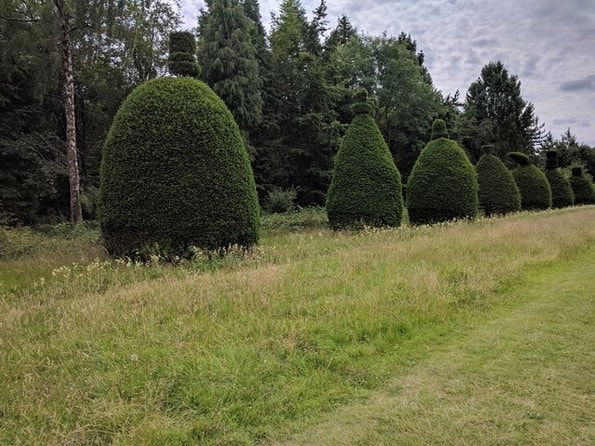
[{"x": 228, "y": 60}]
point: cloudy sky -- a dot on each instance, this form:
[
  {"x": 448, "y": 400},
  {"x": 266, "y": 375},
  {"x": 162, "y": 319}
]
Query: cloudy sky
[{"x": 550, "y": 44}]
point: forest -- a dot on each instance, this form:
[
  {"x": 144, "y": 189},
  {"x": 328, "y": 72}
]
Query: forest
[{"x": 290, "y": 90}]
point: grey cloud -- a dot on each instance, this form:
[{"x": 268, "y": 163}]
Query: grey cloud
[
  {"x": 564, "y": 121},
  {"x": 586, "y": 83},
  {"x": 484, "y": 42}
]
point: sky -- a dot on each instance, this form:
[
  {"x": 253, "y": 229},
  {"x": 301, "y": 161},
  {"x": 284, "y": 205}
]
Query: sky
[{"x": 549, "y": 44}]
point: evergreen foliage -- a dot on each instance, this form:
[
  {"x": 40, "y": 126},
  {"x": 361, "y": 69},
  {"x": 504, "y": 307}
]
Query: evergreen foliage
[
  {"x": 535, "y": 189},
  {"x": 498, "y": 192},
  {"x": 443, "y": 183},
  {"x": 229, "y": 61},
  {"x": 439, "y": 129},
  {"x": 581, "y": 187},
  {"x": 562, "y": 195},
  {"x": 182, "y": 49},
  {"x": 366, "y": 185},
  {"x": 175, "y": 173}
]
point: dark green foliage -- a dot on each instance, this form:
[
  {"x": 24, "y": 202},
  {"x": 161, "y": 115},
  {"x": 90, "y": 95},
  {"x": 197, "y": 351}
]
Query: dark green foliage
[
  {"x": 535, "y": 189},
  {"x": 562, "y": 195},
  {"x": 175, "y": 173},
  {"x": 498, "y": 192},
  {"x": 442, "y": 185},
  {"x": 581, "y": 187},
  {"x": 366, "y": 185},
  {"x": 182, "y": 61},
  {"x": 439, "y": 129}
]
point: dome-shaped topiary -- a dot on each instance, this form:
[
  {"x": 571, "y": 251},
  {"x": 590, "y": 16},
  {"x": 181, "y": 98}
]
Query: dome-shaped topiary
[
  {"x": 562, "y": 195},
  {"x": 498, "y": 193},
  {"x": 366, "y": 185},
  {"x": 175, "y": 173},
  {"x": 443, "y": 182},
  {"x": 581, "y": 187},
  {"x": 532, "y": 183}
]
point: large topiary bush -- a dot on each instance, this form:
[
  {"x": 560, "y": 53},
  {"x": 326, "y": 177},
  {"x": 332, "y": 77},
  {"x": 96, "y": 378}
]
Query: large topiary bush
[
  {"x": 498, "y": 193},
  {"x": 366, "y": 185},
  {"x": 533, "y": 185},
  {"x": 581, "y": 187},
  {"x": 443, "y": 182},
  {"x": 175, "y": 173},
  {"x": 562, "y": 195}
]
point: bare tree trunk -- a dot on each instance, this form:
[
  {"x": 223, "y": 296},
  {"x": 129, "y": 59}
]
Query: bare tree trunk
[{"x": 76, "y": 214}]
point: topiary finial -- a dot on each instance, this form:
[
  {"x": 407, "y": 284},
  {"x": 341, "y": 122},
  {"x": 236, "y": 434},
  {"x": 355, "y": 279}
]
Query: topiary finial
[
  {"x": 182, "y": 49},
  {"x": 519, "y": 158},
  {"x": 361, "y": 105},
  {"x": 439, "y": 130},
  {"x": 551, "y": 160}
]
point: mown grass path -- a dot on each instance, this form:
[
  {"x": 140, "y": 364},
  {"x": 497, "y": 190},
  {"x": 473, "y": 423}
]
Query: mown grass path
[{"x": 525, "y": 376}]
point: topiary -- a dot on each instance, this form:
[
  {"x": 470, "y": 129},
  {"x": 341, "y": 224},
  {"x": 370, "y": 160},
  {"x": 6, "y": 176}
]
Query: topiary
[
  {"x": 532, "y": 183},
  {"x": 366, "y": 185},
  {"x": 498, "y": 193},
  {"x": 439, "y": 130},
  {"x": 182, "y": 54},
  {"x": 562, "y": 195},
  {"x": 443, "y": 183},
  {"x": 175, "y": 173},
  {"x": 581, "y": 187}
]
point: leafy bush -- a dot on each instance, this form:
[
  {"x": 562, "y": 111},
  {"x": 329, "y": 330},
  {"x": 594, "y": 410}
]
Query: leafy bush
[
  {"x": 498, "y": 193},
  {"x": 366, "y": 185},
  {"x": 443, "y": 182},
  {"x": 175, "y": 173},
  {"x": 532, "y": 183},
  {"x": 562, "y": 195},
  {"x": 281, "y": 200},
  {"x": 581, "y": 187}
]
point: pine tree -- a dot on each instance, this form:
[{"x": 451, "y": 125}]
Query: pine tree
[
  {"x": 228, "y": 60},
  {"x": 497, "y": 118}
]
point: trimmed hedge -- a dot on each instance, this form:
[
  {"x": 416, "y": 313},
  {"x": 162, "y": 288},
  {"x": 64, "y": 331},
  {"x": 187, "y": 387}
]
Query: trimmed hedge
[
  {"x": 182, "y": 54},
  {"x": 562, "y": 195},
  {"x": 366, "y": 185},
  {"x": 532, "y": 183},
  {"x": 175, "y": 173},
  {"x": 581, "y": 187},
  {"x": 498, "y": 193},
  {"x": 443, "y": 182}
]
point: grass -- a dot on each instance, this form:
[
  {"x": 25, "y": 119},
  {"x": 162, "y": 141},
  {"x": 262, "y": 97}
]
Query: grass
[{"x": 252, "y": 347}]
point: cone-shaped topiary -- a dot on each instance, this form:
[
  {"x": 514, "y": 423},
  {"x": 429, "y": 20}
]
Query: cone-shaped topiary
[
  {"x": 498, "y": 193},
  {"x": 366, "y": 185},
  {"x": 581, "y": 187},
  {"x": 443, "y": 182},
  {"x": 533, "y": 185},
  {"x": 175, "y": 173},
  {"x": 182, "y": 54},
  {"x": 562, "y": 195}
]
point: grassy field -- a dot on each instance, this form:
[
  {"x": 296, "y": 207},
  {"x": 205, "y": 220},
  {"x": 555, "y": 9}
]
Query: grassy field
[{"x": 378, "y": 333}]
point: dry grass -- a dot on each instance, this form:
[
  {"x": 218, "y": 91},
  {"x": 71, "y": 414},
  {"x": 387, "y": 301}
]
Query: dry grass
[{"x": 256, "y": 345}]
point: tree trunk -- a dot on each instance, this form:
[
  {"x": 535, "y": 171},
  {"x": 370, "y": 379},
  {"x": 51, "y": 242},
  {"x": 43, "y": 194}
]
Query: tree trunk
[{"x": 76, "y": 214}]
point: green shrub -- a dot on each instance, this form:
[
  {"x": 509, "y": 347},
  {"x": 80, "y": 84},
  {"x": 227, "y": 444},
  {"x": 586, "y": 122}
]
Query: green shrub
[
  {"x": 443, "y": 182},
  {"x": 281, "y": 200},
  {"x": 581, "y": 187},
  {"x": 175, "y": 173},
  {"x": 532, "y": 183},
  {"x": 439, "y": 130},
  {"x": 498, "y": 193},
  {"x": 182, "y": 54},
  {"x": 562, "y": 195},
  {"x": 366, "y": 185}
]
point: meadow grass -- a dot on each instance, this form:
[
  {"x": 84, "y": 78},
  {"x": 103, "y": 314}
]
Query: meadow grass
[{"x": 249, "y": 347}]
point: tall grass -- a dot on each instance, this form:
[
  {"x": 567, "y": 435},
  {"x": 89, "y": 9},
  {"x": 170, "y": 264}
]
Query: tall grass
[{"x": 241, "y": 348}]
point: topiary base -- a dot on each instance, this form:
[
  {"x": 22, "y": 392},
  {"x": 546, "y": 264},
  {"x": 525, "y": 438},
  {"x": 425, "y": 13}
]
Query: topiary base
[{"x": 428, "y": 216}]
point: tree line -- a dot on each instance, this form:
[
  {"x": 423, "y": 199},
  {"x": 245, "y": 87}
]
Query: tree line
[{"x": 289, "y": 89}]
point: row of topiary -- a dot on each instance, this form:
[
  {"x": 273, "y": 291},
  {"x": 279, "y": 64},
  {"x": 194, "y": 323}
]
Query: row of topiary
[
  {"x": 443, "y": 184},
  {"x": 176, "y": 174}
]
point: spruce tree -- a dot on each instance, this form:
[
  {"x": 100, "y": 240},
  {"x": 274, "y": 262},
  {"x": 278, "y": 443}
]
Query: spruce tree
[
  {"x": 341, "y": 34},
  {"x": 228, "y": 60}
]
